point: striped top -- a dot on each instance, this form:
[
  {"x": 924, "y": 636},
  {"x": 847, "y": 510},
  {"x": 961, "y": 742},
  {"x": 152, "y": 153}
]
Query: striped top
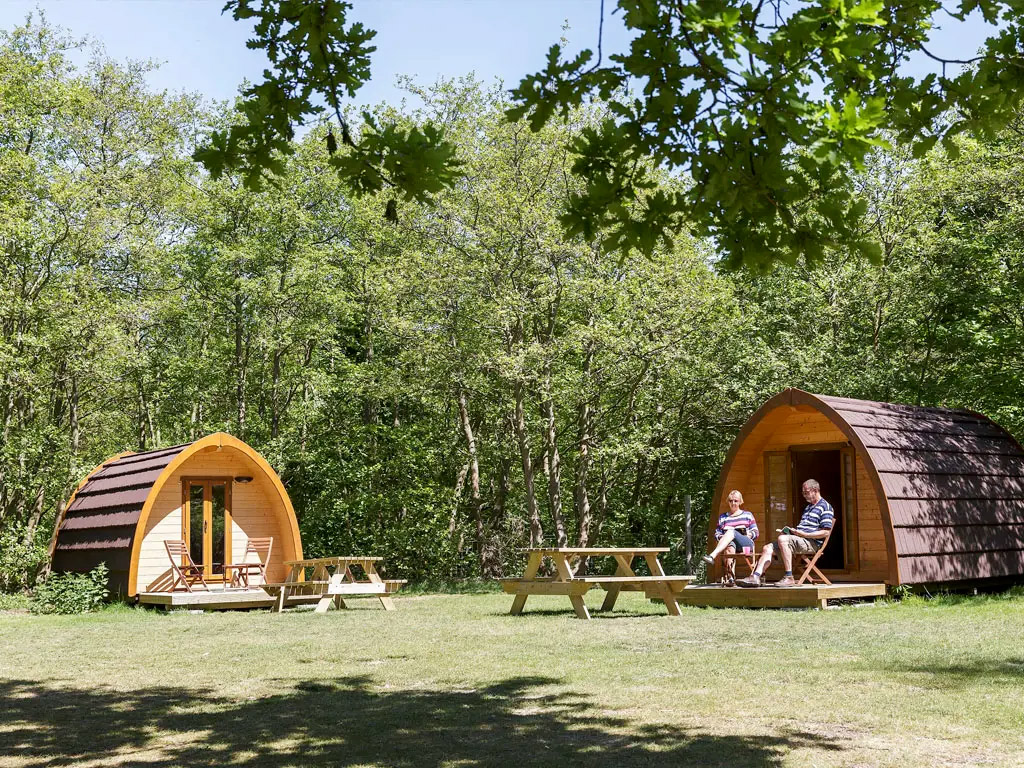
[
  {"x": 818, "y": 516},
  {"x": 741, "y": 519}
]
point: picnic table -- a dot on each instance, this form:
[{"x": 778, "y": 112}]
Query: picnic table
[
  {"x": 332, "y": 580},
  {"x": 566, "y": 582}
]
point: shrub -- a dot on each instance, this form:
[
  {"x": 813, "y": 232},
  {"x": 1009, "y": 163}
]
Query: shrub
[
  {"x": 20, "y": 562},
  {"x": 72, "y": 592}
]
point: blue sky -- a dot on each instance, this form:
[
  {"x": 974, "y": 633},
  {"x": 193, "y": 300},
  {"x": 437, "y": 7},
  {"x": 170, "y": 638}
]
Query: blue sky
[{"x": 204, "y": 51}]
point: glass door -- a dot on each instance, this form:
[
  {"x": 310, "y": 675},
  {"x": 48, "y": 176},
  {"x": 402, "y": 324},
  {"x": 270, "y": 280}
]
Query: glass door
[{"x": 206, "y": 523}]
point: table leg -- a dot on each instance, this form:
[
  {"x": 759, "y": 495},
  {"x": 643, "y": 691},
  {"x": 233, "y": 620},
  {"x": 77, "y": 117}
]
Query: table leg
[
  {"x": 371, "y": 573},
  {"x": 324, "y": 603},
  {"x": 566, "y": 573},
  {"x": 667, "y": 595},
  {"x": 336, "y": 579},
  {"x": 624, "y": 569},
  {"x": 532, "y": 566},
  {"x": 579, "y": 606}
]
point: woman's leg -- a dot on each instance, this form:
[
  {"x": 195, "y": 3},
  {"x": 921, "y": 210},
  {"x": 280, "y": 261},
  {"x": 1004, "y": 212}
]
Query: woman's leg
[
  {"x": 723, "y": 542},
  {"x": 730, "y": 563}
]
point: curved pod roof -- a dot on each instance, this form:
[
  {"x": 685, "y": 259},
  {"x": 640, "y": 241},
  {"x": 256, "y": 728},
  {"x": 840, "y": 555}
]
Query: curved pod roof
[
  {"x": 105, "y": 518},
  {"x": 950, "y": 484}
]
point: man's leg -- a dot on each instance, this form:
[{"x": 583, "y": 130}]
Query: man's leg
[
  {"x": 786, "y": 548},
  {"x": 754, "y": 580},
  {"x": 766, "y": 559},
  {"x": 786, "y": 551}
]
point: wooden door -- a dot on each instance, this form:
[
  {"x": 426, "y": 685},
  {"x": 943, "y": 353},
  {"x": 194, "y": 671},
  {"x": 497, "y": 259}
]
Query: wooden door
[
  {"x": 206, "y": 523},
  {"x": 826, "y": 466}
]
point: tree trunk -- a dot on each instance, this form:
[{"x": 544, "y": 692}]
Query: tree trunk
[
  {"x": 584, "y": 429},
  {"x": 519, "y": 427},
  {"x": 240, "y": 365},
  {"x": 553, "y": 462},
  {"x": 307, "y": 360},
  {"x": 491, "y": 558},
  {"x": 474, "y": 477},
  {"x": 76, "y": 433}
]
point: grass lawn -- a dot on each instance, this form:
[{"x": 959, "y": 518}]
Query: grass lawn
[{"x": 452, "y": 680}]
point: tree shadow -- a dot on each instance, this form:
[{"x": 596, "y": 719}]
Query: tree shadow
[
  {"x": 988, "y": 672},
  {"x": 352, "y": 721}
]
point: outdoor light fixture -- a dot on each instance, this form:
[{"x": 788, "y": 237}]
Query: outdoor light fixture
[{"x": 243, "y": 479}]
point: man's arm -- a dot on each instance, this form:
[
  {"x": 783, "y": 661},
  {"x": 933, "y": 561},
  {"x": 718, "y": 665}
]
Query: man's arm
[{"x": 821, "y": 533}]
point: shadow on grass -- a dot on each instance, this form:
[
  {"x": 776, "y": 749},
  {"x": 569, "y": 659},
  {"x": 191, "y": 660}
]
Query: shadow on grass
[
  {"x": 983, "y": 671},
  {"x": 348, "y": 722}
]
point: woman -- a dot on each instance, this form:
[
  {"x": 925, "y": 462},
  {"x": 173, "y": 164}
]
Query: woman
[{"x": 736, "y": 532}]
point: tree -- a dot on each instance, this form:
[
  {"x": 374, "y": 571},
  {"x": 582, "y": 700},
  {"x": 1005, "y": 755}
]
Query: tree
[{"x": 764, "y": 110}]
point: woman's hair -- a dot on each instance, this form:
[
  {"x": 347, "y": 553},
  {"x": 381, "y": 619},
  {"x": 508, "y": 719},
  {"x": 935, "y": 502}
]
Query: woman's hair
[{"x": 730, "y": 493}]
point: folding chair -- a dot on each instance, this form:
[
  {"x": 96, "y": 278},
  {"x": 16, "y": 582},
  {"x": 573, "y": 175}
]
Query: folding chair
[
  {"x": 185, "y": 571},
  {"x": 749, "y": 559},
  {"x": 240, "y": 572},
  {"x": 808, "y": 562}
]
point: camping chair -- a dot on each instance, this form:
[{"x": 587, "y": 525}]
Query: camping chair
[
  {"x": 808, "y": 564},
  {"x": 185, "y": 571},
  {"x": 240, "y": 572},
  {"x": 749, "y": 559}
]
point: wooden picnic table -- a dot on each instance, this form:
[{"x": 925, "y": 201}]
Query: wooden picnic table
[
  {"x": 566, "y": 582},
  {"x": 332, "y": 580}
]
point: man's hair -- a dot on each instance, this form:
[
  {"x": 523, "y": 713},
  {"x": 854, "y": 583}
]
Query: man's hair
[{"x": 814, "y": 485}]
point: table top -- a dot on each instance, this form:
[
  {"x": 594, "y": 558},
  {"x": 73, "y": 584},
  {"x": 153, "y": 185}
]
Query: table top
[
  {"x": 597, "y": 550},
  {"x": 334, "y": 560}
]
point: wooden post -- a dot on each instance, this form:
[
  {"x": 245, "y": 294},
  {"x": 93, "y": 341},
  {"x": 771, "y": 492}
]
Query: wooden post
[{"x": 689, "y": 533}]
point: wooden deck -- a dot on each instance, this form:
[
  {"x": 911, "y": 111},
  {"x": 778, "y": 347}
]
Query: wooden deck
[
  {"x": 219, "y": 599},
  {"x": 806, "y": 596}
]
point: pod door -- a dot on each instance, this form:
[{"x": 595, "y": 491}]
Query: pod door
[
  {"x": 206, "y": 523},
  {"x": 833, "y": 468}
]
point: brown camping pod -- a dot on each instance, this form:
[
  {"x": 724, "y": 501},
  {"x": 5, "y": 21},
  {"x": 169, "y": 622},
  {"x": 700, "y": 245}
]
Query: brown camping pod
[
  {"x": 922, "y": 495},
  {"x": 215, "y": 494}
]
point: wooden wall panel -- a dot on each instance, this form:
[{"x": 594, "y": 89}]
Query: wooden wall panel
[
  {"x": 778, "y": 432},
  {"x": 256, "y": 511}
]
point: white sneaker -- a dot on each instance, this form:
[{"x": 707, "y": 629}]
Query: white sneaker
[{"x": 708, "y": 559}]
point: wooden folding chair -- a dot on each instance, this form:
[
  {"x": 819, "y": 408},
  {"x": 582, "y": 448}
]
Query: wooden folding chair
[
  {"x": 808, "y": 563},
  {"x": 185, "y": 571},
  {"x": 749, "y": 559},
  {"x": 240, "y": 572}
]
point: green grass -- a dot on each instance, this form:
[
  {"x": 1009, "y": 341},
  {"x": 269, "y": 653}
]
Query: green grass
[{"x": 452, "y": 680}]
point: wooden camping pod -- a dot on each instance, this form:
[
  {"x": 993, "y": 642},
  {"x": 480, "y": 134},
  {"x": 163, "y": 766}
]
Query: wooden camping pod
[
  {"x": 922, "y": 495},
  {"x": 128, "y": 506}
]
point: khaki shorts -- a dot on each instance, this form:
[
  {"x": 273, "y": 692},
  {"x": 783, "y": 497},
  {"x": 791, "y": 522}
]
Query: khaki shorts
[{"x": 799, "y": 545}]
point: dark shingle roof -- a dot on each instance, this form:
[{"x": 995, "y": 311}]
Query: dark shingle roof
[
  {"x": 954, "y": 483},
  {"x": 99, "y": 525}
]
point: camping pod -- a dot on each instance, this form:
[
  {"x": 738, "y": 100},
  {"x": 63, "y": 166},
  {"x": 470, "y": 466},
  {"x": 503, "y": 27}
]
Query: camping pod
[
  {"x": 215, "y": 494},
  {"x": 921, "y": 495}
]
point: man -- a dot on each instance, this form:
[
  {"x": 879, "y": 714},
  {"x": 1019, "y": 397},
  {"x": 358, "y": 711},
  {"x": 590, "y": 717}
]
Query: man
[{"x": 807, "y": 538}]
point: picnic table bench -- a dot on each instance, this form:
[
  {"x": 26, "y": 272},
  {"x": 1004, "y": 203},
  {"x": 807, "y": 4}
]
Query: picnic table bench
[
  {"x": 332, "y": 580},
  {"x": 566, "y": 582}
]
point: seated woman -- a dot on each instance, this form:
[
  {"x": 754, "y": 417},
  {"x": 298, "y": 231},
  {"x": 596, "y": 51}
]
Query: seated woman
[{"x": 736, "y": 532}]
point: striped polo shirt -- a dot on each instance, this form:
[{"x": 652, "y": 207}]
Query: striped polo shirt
[{"x": 818, "y": 516}]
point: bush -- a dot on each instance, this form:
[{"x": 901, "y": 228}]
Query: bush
[
  {"x": 15, "y": 602},
  {"x": 20, "y": 563},
  {"x": 72, "y": 592}
]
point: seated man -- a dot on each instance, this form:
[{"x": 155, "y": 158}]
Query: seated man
[{"x": 814, "y": 526}]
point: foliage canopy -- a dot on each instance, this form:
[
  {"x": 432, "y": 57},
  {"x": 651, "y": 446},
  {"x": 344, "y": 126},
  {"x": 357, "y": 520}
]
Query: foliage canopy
[{"x": 764, "y": 109}]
